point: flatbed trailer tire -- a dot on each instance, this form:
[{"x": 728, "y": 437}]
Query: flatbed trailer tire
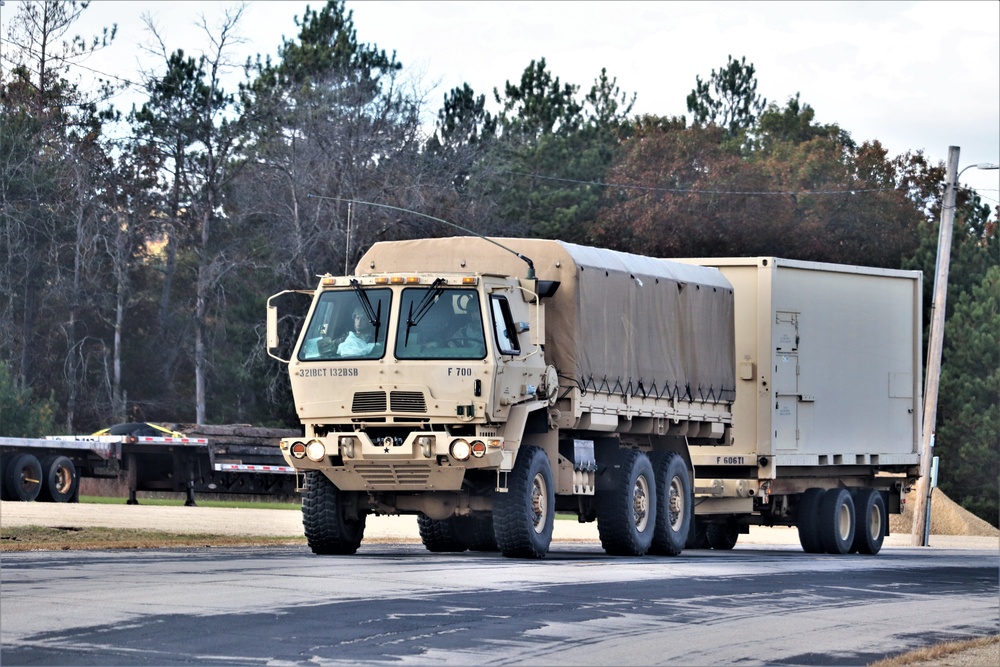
[
  {"x": 61, "y": 482},
  {"x": 22, "y": 477}
]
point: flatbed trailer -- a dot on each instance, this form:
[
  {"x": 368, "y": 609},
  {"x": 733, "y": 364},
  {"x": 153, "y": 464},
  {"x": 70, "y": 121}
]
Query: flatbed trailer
[{"x": 239, "y": 460}]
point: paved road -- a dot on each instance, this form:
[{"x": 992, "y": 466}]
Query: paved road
[{"x": 398, "y": 604}]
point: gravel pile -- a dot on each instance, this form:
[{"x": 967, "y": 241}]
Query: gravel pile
[{"x": 947, "y": 518}]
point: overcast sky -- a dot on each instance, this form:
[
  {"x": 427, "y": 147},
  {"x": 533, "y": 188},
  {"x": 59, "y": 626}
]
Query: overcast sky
[{"x": 913, "y": 75}]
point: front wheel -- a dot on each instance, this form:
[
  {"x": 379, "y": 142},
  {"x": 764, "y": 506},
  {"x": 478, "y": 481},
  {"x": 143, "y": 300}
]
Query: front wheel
[
  {"x": 626, "y": 514},
  {"x": 523, "y": 516},
  {"x": 331, "y": 529}
]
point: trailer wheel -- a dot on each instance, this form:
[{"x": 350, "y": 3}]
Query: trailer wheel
[
  {"x": 806, "y": 520},
  {"x": 869, "y": 508},
  {"x": 673, "y": 509},
  {"x": 523, "y": 517},
  {"x": 441, "y": 535},
  {"x": 61, "y": 482},
  {"x": 479, "y": 534},
  {"x": 836, "y": 521},
  {"x": 722, "y": 536},
  {"x": 22, "y": 478},
  {"x": 626, "y": 514},
  {"x": 328, "y": 531}
]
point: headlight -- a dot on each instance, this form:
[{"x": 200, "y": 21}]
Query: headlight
[
  {"x": 316, "y": 450},
  {"x": 460, "y": 450},
  {"x": 298, "y": 450}
]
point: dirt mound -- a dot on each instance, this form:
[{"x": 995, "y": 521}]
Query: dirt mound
[{"x": 947, "y": 518}]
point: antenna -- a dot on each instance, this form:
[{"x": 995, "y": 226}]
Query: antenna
[
  {"x": 347, "y": 249},
  {"x": 531, "y": 265}
]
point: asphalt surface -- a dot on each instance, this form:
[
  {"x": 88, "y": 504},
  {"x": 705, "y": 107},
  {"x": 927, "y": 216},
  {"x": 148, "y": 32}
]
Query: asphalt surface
[{"x": 395, "y": 603}]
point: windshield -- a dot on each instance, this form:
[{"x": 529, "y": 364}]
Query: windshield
[
  {"x": 347, "y": 324},
  {"x": 440, "y": 323}
]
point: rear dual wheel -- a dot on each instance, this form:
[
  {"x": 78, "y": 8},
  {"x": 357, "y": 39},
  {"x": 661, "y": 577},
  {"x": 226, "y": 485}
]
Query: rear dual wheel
[
  {"x": 626, "y": 514},
  {"x": 873, "y": 522},
  {"x": 837, "y": 521},
  {"x": 673, "y": 504}
]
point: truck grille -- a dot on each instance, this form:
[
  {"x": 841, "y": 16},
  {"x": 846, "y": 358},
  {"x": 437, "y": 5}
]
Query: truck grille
[
  {"x": 400, "y": 401},
  {"x": 407, "y": 401},
  {"x": 369, "y": 401},
  {"x": 392, "y": 476}
]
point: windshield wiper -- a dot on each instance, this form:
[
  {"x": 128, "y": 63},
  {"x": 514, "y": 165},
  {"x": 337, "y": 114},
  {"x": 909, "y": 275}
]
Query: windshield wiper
[
  {"x": 430, "y": 298},
  {"x": 374, "y": 316}
]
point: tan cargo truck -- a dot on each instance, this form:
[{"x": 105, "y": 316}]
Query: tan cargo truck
[
  {"x": 486, "y": 384},
  {"x": 444, "y": 379},
  {"x": 826, "y": 422}
]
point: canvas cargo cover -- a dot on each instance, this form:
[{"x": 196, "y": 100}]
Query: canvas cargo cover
[{"x": 619, "y": 323}]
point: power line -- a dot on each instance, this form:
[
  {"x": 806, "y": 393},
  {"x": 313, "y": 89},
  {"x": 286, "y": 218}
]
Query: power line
[{"x": 778, "y": 193}]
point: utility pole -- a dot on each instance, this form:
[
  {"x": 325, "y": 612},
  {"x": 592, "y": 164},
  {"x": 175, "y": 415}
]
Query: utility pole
[{"x": 933, "y": 370}]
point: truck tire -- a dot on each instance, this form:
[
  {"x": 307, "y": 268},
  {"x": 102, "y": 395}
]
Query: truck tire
[
  {"x": 523, "y": 517},
  {"x": 869, "y": 533},
  {"x": 626, "y": 514},
  {"x": 3, "y": 481},
  {"x": 328, "y": 531},
  {"x": 673, "y": 504},
  {"x": 836, "y": 521},
  {"x": 722, "y": 536},
  {"x": 22, "y": 479},
  {"x": 697, "y": 539},
  {"x": 61, "y": 483},
  {"x": 479, "y": 534},
  {"x": 806, "y": 520},
  {"x": 441, "y": 535}
]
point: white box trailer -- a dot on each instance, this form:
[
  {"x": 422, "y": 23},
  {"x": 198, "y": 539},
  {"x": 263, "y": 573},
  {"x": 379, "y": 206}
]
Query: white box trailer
[{"x": 828, "y": 390}]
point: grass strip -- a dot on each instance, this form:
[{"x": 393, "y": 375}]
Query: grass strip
[
  {"x": 980, "y": 651},
  {"x": 38, "y": 538},
  {"x": 175, "y": 502}
]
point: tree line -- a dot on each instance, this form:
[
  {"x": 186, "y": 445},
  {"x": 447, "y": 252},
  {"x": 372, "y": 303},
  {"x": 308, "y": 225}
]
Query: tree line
[{"x": 139, "y": 246}]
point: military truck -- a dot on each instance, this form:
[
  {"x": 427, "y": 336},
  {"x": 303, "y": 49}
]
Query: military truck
[{"x": 484, "y": 385}]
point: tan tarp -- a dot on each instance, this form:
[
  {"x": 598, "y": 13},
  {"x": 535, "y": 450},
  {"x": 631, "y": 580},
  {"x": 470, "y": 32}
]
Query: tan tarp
[{"x": 619, "y": 323}]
